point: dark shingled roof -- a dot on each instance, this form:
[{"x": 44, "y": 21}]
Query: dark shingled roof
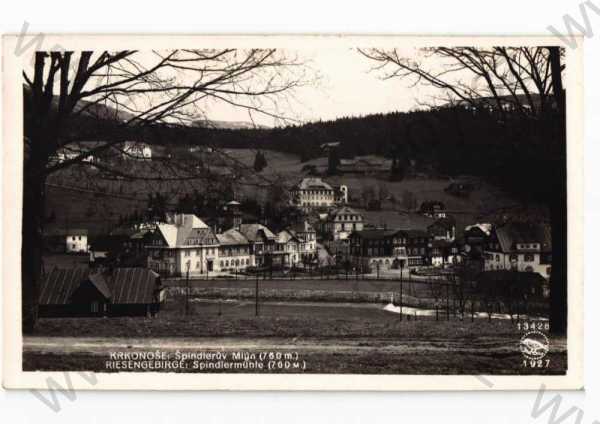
[
  {"x": 56, "y": 288},
  {"x": 253, "y": 231},
  {"x": 123, "y": 285},
  {"x": 516, "y": 232},
  {"x": 133, "y": 285}
]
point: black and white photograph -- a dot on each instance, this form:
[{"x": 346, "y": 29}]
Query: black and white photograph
[{"x": 362, "y": 207}]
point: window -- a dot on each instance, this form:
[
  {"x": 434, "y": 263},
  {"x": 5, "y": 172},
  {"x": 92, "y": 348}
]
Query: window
[
  {"x": 197, "y": 252},
  {"x": 198, "y": 265},
  {"x": 528, "y": 257},
  {"x": 187, "y": 253}
]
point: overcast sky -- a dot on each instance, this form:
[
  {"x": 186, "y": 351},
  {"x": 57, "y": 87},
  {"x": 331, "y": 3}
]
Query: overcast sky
[{"x": 347, "y": 87}]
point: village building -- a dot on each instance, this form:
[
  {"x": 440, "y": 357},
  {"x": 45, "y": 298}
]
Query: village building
[
  {"x": 76, "y": 240},
  {"x": 416, "y": 244},
  {"x": 287, "y": 249},
  {"x": 185, "y": 244},
  {"x": 476, "y": 237},
  {"x": 433, "y": 209},
  {"x": 78, "y": 292},
  {"x": 136, "y": 150},
  {"x": 225, "y": 217},
  {"x": 341, "y": 194},
  {"x": 307, "y": 239},
  {"x": 235, "y": 251},
  {"x": 341, "y": 222},
  {"x": 81, "y": 149},
  {"x": 390, "y": 248},
  {"x": 232, "y": 214},
  {"x": 525, "y": 247},
  {"x": 444, "y": 252},
  {"x": 314, "y": 192},
  {"x": 376, "y": 248},
  {"x": 443, "y": 229},
  {"x": 262, "y": 243},
  {"x": 71, "y": 240}
]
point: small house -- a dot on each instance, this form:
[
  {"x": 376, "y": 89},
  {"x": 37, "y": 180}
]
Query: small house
[
  {"x": 72, "y": 240},
  {"x": 78, "y": 292}
]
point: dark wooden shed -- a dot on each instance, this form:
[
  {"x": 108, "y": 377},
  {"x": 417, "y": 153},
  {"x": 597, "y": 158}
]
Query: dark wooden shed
[{"x": 78, "y": 292}]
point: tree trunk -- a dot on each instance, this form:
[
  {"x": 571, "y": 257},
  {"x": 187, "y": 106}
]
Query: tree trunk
[
  {"x": 558, "y": 277},
  {"x": 32, "y": 248},
  {"x": 558, "y": 206}
]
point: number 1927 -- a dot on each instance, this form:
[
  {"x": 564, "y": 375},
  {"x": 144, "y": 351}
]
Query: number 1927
[{"x": 536, "y": 363}]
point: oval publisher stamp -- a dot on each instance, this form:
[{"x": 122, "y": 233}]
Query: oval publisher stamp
[{"x": 534, "y": 345}]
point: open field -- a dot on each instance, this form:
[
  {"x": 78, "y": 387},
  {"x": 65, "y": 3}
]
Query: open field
[
  {"x": 421, "y": 293},
  {"x": 325, "y": 337}
]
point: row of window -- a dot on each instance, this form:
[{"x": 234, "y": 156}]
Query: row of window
[
  {"x": 527, "y": 257},
  {"x": 237, "y": 262},
  {"x": 314, "y": 203},
  {"x": 234, "y": 251},
  {"x": 316, "y": 192},
  {"x": 211, "y": 252},
  {"x": 528, "y": 246},
  {"x": 348, "y": 218},
  {"x": 529, "y": 268}
]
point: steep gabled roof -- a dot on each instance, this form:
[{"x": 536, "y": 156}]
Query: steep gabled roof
[
  {"x": 121, "y": 286},
  {"x": 58, "y": 285},
  {"x": 169, "y": 233},
  {"x": 517, "y": 233},
  {"x": 483, "y": 227},
  {"x": 132, "y": 285},
  {"x": 232, "y": 237},
  {"x": 100, "y": 283},
  {"x": 187, "y": 230},
  {"x": 253, "y": 232},
  {"x": 285, "y": 236},
  {"x": 196, "y": 237}
]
